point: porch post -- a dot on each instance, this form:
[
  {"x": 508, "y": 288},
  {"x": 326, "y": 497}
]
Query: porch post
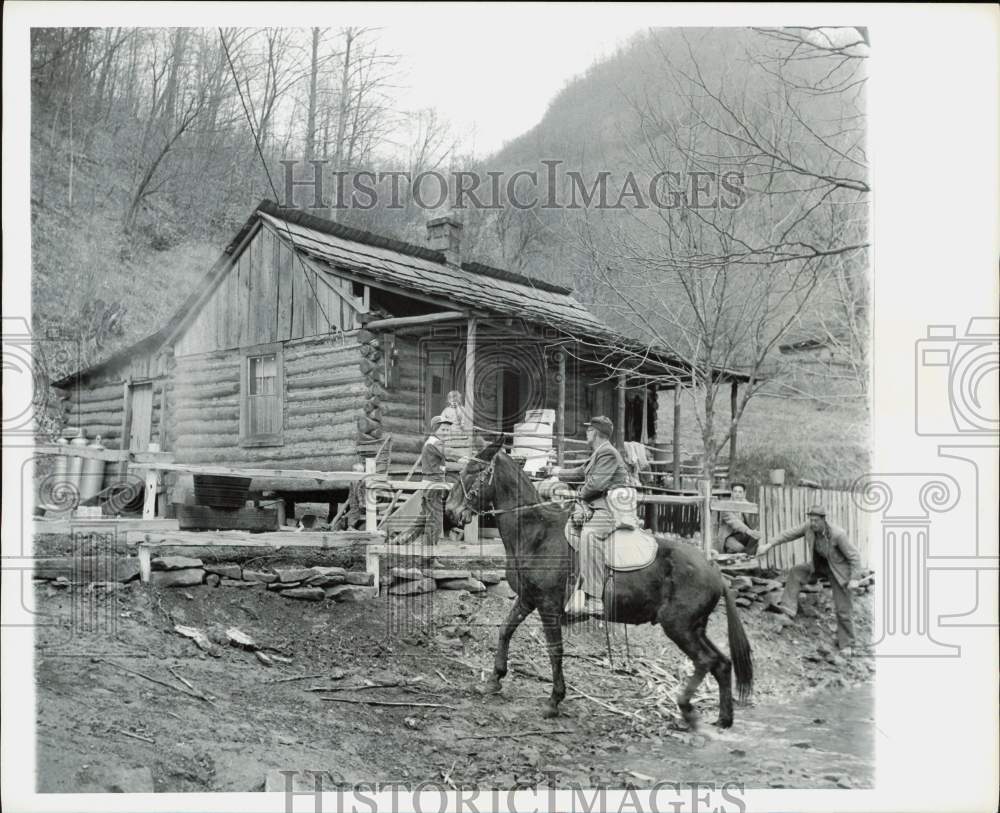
[
  {"x": 621, "y": 412},
  {"x": 732, "y": 414},
  {"x": 561, "y": 411},
  {"x": 470, "y": 376},
  {"x": 644, "y": 430},
  {"x": 677, "y": 436}
]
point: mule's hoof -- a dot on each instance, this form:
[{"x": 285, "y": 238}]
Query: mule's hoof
[
  {"x": 492, "y": 686},
  {"x": 550, "y": 711}
]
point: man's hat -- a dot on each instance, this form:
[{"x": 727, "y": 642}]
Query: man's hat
[
  {"x": 437, "y": 420},
  {"x": 602, "y": 424},
  {"x": 816, "y": 511}
]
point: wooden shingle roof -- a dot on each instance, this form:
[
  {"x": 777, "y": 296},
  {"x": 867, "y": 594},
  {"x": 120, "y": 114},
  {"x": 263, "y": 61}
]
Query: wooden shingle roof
[{"x": 472, "y": 284}]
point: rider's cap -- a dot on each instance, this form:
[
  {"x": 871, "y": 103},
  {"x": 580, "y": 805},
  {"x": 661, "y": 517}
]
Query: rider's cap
[
  {"x": 602, "y": 425},
  {"x": 816, "y": 511},
  {"x": 437, "y": 421}
]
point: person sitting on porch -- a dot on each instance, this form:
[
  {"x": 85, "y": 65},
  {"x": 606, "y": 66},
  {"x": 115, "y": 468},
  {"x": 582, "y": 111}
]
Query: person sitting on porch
[
  {"x": 833, "y": 557},
  {"x": 736, "y": 535},
  {"x": 592, "y": 520},
  {"x": 460, "y": 432},
  {"x": 432, "y": 467}
]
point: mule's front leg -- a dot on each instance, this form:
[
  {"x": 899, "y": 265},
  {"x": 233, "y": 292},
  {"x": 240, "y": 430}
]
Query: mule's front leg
[
  {"x": 517, "y": 614},
  {"x": 552, "y": 627}
]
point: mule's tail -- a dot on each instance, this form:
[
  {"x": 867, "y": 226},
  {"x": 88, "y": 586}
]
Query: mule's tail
[{"x": 739, "y": 648}]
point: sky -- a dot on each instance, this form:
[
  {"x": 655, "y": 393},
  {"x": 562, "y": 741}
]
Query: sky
[{"x": 494, "y": 83}]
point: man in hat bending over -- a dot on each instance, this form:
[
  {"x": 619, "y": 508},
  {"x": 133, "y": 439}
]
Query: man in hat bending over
[
  {"x": 432, "y": 466},
  {"x": 833, "y": 557},
  {"x": 592, "y": 520}
]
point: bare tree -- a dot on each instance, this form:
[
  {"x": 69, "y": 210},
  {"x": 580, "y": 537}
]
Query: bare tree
[{"x": 718, "y": 283}]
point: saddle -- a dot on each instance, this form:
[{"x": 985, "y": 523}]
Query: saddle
[{"x": 629, "y": 549}]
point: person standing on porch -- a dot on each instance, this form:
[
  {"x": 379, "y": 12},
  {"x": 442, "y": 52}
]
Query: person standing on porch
[
  {"x": 592, "y": 520},
  {"x": 432, "y": 467},
  {"x": 833, "y": 557}
]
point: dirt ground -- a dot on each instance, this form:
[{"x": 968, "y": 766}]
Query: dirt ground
[{"x": 103, "y": 726}]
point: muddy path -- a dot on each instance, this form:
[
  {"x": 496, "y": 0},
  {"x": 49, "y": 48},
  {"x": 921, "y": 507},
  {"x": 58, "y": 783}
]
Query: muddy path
[{"x": 104, "y": 726}]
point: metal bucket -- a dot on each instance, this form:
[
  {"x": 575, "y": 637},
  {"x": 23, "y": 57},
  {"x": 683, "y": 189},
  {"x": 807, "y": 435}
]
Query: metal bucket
[
  {"x": 74, "y": 465},
  {"x": 92, "y": 475}
]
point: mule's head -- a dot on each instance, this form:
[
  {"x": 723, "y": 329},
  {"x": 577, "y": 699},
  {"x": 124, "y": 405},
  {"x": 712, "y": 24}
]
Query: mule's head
[{"x": 474, "y": 491}]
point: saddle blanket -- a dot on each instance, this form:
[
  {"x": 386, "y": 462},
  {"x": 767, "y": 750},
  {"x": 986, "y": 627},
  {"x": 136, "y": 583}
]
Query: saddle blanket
[{"x": 628, "y": 549}]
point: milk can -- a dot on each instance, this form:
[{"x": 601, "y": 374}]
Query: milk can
[
  {"x": 74, "y": 465},
  {"x": 92, "y": 476}
]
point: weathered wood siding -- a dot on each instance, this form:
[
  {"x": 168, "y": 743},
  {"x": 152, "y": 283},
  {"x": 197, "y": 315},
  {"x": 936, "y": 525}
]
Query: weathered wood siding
[
  {"x": 403, "y": 403},
  {"x": 97, "y": 404},
  {"x": 324, "y": 392},
  {"x": 269, "y": 295}
]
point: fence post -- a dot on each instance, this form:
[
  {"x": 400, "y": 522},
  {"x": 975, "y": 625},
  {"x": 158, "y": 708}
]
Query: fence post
[
  {"x": 706, "y": 515},
  {"x": 371, "y": 515}
]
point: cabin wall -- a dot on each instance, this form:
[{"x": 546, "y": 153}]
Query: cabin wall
[
  {"x": 324, "y": 393},
  {"x": 97, "y": 404},
  {"x": 270, "y": 295},
  {"x": 403, "y": 403}
]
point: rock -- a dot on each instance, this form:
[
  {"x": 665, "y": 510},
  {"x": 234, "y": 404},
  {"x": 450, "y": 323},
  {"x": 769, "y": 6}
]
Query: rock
[
  {"x": 411, "y": 588},
  {"x": 472, "y": 585},
  {"x": 741, "y": 583},
  {"x": 501, "y": 589},
  {"x": 407, "y": 573},
  {"x": 743, "y": 601},
  {"x": 359, "y": 577},
  {"x": 227, "y": 571},
  {"x": 488, "y": 577},
  {"x": 278, "y": 587},
  {"x": 199, "y": 637},
  {"x": 305, "y": 593},
  {"x": 126, "y": 569},
  {"x": 175, "y": 562},
  {"x": 326, "y": 576},
  {"x": 238, "y": 583},
  {"x": 350, "y": 592},
  {"x": 213, "y": 579},
  {"x": 87, "y": 568},
  {"x": 177, "y": 578},
  {"x": 264, "y": 658},
  {"x": 448, "y": 574},
  {"x": 259, "y": 576},
  {"x": 286, "y": 575},
  {"x": 239, "y": 638},
  {"x": 114, "y": 779}
]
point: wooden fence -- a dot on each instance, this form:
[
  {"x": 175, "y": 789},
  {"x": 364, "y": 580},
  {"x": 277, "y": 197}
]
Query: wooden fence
[{"x": 784, "y": 507}]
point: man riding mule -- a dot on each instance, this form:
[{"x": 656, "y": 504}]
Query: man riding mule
[
  {"x": 592, "y": 520},
  {"x": 678, "y": 589}
]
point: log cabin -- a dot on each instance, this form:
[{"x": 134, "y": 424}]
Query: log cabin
[{"x": 310, "y": 345}]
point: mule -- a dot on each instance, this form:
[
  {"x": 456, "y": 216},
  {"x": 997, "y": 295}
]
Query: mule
[{"x": 678, "y": 591}]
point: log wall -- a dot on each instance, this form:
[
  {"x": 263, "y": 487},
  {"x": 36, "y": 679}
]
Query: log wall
[{"x": 324, "y": 394}]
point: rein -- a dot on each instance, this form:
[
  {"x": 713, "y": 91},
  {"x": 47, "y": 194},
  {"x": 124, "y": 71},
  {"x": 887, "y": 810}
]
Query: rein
[{"x": 481, "y": 480}]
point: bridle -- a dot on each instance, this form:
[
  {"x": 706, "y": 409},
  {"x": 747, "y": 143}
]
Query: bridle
[{"x": 473, "y": 492}]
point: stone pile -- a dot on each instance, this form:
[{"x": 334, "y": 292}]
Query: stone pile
[
  {"x": 410, "y": 581},
  {"x": 293, "y": 581},
  {"x": 760, "y": 588}
]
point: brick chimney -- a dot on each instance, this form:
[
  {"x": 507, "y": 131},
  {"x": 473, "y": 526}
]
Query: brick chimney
[{"x": 444, "y": 234}]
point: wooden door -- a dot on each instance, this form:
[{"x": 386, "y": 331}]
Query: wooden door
[{"x": 141, "y": 424}]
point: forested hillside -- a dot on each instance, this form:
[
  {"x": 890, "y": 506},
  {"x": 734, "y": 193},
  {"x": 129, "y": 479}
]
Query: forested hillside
[{"x": 149, "y": 147}]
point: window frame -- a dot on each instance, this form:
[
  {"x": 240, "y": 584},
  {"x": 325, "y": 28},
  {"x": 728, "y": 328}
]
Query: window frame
[{"x": 273, "y": 438}]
